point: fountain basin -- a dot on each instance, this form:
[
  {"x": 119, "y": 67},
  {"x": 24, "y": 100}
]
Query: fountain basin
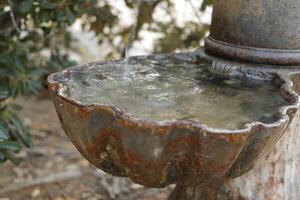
[{"x": 159, "y": 152}]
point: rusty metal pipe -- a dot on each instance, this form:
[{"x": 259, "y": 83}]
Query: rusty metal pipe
[{"x": 260, "y": 31}]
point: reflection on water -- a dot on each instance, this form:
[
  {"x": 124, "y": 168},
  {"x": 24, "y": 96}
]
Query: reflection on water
[{"x": 156, "y": 92}]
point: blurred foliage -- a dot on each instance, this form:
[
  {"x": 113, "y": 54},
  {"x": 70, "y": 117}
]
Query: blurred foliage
[{"x": 34, "y": 42}]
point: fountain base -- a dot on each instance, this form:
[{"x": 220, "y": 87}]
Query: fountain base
[
  {"x": 210, "y": 191},
  {"x": 182, "y": 151}
]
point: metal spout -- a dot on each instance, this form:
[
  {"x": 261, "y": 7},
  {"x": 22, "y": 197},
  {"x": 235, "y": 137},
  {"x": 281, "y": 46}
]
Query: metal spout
[{"x": 259, "y": 31}]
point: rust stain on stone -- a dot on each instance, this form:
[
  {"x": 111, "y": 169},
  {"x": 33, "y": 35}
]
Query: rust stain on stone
[
  {"x": 184, "y": 142},
  {"x": 100, "y": 142}
]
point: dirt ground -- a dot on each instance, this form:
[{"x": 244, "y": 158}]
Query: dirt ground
[{"x": 53, "y": 169}]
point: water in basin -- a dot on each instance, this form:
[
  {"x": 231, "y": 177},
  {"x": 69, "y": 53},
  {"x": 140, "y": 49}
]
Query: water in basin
[{"x": 163, "y": 92}]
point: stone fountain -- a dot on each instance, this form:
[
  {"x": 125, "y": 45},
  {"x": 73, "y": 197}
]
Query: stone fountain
[{"x": 195, "y": 119}]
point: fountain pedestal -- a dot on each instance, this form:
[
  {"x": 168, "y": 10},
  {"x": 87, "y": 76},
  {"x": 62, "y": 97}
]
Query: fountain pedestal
[
  {"x": 211, "y": 190},
  {"x": 157, "y": 153}
]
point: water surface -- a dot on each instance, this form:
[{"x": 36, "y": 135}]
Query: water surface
[{"x": 163, "y": 92}]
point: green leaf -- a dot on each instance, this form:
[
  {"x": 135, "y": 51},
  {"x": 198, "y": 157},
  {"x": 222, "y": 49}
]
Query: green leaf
[
  {"x": 14, "y": 91},
  {"x": 5, "y": 58},
  {"x": 10, "y": 157},
  {"x": 34, "y": 86},
  {"x": 47, "y": 4},
  {"x": 205, "y": 3},
  {"x": 35, "y": 72},
  {"x": 26, "y": 6},
  {"x": 15, "y": 107},
  {"x": 4, "y": 93},
  {"x": 3, "y": 133},
  {"x": 2, "y": 107},
  {"x": 2, "y": 158},
  {"x": 18, "y": 64},
  {"x": 9, "y": 145},
  {"x": 70, "y": 16},
  {"x": 22, "y": 132}
]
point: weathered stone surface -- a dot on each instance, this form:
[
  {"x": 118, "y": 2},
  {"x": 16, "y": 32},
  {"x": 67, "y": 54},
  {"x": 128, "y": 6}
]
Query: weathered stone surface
[
  {"x": 278, "y": 175},
  {"x": 117, "y": 143}
]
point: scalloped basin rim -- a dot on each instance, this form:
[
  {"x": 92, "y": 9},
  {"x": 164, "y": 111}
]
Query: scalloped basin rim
[
  {"x": 156, "y": 154},
  {"x": 286, "y": 88}
]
